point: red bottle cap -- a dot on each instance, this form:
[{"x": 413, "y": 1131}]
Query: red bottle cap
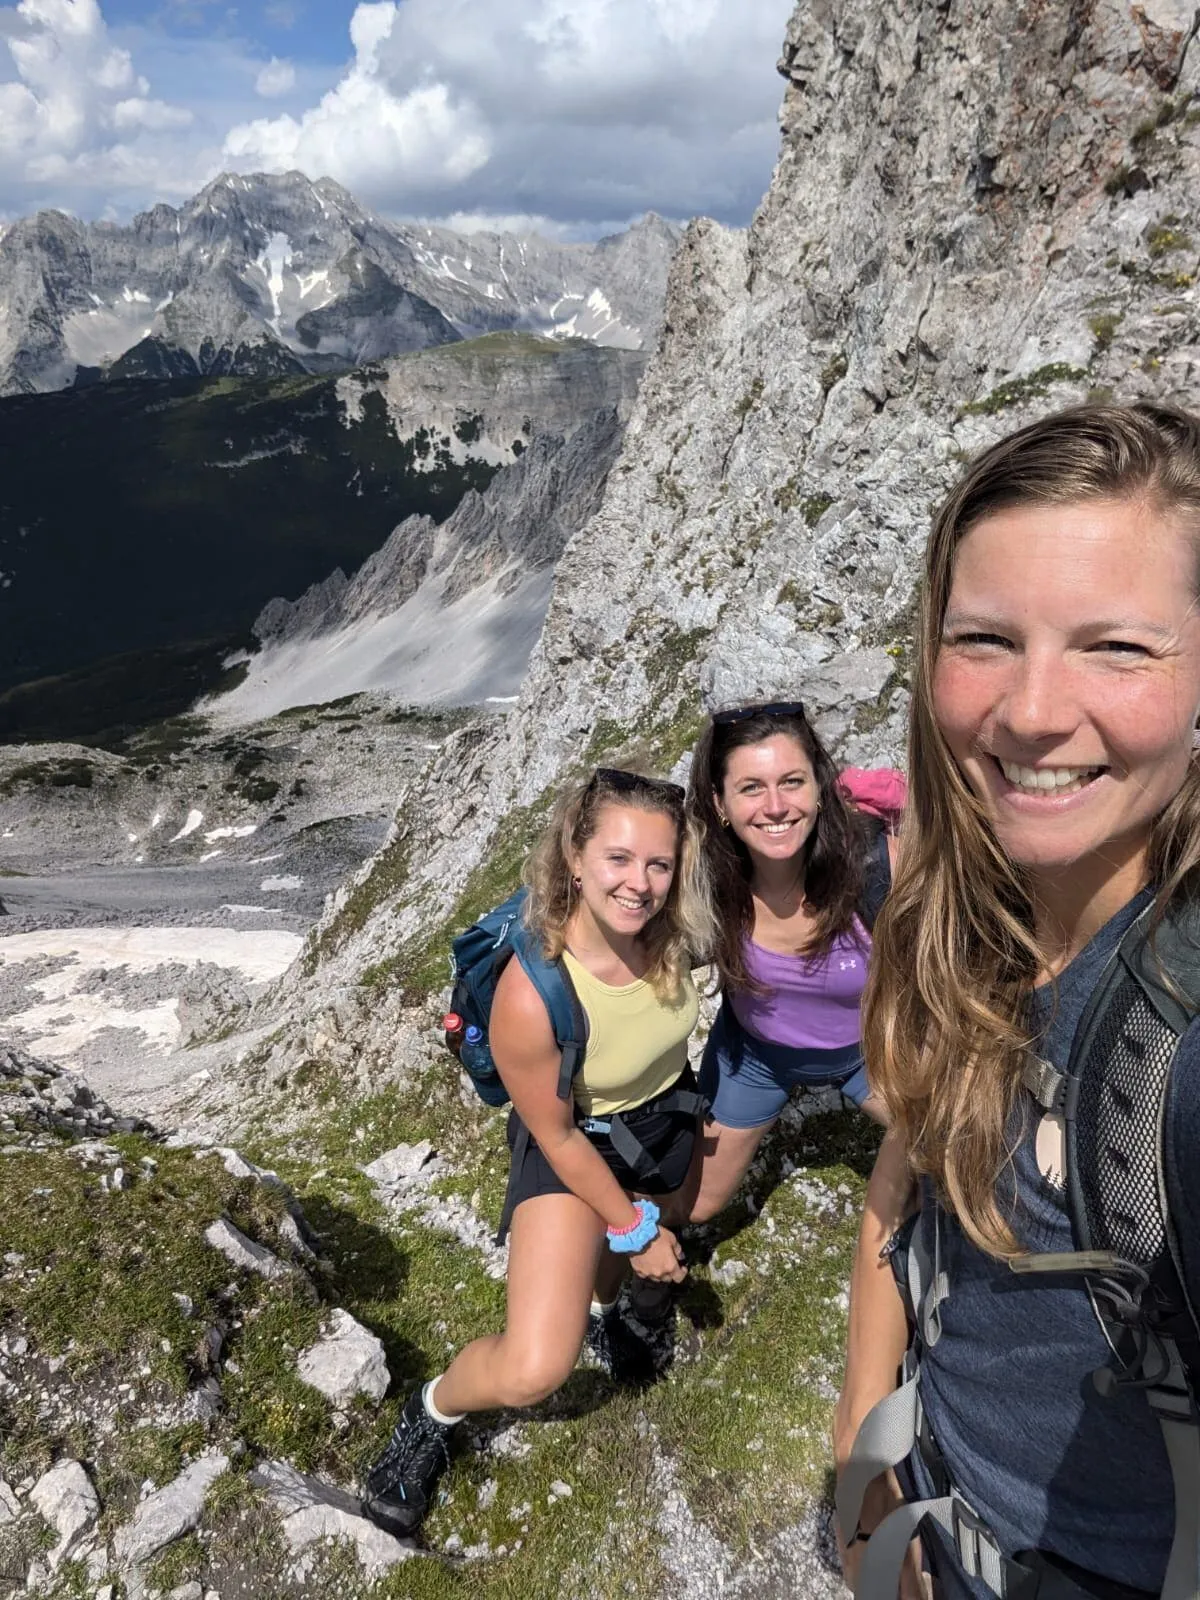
[{"x": 452, "y": 1022}]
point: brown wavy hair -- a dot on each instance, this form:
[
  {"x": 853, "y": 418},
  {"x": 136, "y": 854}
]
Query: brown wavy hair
[
  {"x": 834, "y": 852},
  {"x": 675, "y": 936},
  {"x": 955, "y": 956}
]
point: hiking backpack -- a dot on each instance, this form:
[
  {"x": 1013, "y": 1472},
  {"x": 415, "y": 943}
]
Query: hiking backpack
[
  {"x": 1122, "y": 1171},
  {"x": 480, "y": 955}
]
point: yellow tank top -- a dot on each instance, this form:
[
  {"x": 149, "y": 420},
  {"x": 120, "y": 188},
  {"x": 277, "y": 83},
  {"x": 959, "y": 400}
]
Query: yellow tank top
[{"x": 637, "y": 1043}]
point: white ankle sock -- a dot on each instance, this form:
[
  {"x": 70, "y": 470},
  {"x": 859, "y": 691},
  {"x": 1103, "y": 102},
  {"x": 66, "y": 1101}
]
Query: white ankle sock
[
  {"x": 438, "y": 1416},
  {"x": 598, "y": 1310}
]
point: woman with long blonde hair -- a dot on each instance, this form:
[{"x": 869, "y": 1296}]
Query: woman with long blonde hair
[
  {"x": 616, "y": 893},
  {"x": 1053, "y": 833}
]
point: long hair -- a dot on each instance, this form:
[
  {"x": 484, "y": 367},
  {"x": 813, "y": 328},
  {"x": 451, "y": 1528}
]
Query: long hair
[
  {"x": 680, "y": 932},
  {"x": 833, "y": 854},
  {"x": 955, "y": 956}
]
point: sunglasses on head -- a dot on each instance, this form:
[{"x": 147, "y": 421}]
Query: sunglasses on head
[
  {"x": 616, "y": 778},
  {"x": 770, "y": 708}
]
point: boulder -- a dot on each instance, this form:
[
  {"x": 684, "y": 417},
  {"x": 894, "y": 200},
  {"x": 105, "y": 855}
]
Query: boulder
[{"x": 346, "y": 1361}]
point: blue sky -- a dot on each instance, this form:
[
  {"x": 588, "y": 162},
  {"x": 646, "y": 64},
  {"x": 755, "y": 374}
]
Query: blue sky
[{"x": 569, "y": 115}]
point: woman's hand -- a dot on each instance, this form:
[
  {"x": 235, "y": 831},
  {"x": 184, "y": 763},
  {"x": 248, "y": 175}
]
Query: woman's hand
[
  {"x": 882, "y": 1497},
  {"x": 661, "y": 1260}
]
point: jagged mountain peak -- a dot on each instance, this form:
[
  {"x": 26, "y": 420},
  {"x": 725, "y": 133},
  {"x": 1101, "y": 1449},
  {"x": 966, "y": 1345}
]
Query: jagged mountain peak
[{"x": 298, "y": 263}]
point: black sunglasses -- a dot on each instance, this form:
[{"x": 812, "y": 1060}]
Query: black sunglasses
[
  {"x": 632, "y": 782},
  {"x": 771, "y": 708}
]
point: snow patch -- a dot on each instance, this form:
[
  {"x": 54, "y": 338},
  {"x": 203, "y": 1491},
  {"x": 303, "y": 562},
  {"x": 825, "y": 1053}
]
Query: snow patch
[
  {"x": 280, "y": 885},
  {"x": 243, "y": 832},
  {"x": 194, "y": 819},
  {"x": 66, "y": 1017}
]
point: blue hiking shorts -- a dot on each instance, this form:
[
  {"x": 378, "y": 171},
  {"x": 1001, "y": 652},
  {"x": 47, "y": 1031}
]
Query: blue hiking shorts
[{"x": 747, "y": 1080}]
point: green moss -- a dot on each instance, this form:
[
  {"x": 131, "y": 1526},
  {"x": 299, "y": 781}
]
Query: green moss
[
  {"x": 72, "y": 773},
  {"x": 179, "y": 1562},
  {"x": 1165, "y": 236},
  {"x": 874, "y": 713},
  {"x": 834, "y": 371},
  {"x": 749, "y": 400},
  {"x": 425, "y": 966},
  {"x": 1019, "y": 391},
  {"x": 1103, "y": 327},
  {"x": 670, "y": 490},
  {"x": 814, "y": 507},
  {"x": 675, "y": 649},
  {"x": 389, "y": 872}
]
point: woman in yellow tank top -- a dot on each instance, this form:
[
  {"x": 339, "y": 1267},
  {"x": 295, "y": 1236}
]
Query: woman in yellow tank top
[{"x": 616, "y": 889}]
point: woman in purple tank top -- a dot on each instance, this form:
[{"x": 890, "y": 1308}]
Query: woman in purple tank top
[{"x": 795, "y": 872}]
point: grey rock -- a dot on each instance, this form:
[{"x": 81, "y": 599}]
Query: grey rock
[
  {"x": 313, "y": 1511},
  {"x": 346, "y": 1361},
  {"x": 168, "y": 1513},
  {"x": 211, "y": 998},
  {"x": 10, "y": 1506},
  {"x": 64, "y": 1497},
  {"x": 244, "y": 1253},
  {"x": 405, "y": 1161}
]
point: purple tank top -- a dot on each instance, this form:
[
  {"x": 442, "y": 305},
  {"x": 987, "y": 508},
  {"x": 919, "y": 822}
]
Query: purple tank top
[{"x": 811, "y": 1005}]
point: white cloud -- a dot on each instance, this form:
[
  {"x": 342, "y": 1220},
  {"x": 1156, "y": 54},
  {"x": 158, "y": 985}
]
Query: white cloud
[
  {"x": 574, "y": 109},
  {"x": 578, "y": 113},
  {"x": 78, "y": 110},
  {"x": 276, "y": 78}
]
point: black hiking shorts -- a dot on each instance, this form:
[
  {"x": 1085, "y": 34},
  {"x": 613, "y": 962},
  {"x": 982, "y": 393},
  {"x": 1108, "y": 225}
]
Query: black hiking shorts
[{"x": 669, "y": 1137}]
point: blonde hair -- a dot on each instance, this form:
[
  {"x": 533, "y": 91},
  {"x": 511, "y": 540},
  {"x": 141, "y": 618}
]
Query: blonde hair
[
  {"x": 681, "y": 932},
  {"x": 955, "y": 956}
]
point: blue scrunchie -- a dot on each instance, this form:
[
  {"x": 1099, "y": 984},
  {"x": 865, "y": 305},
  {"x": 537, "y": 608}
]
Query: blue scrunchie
[{"x": 636, "y": 1240}]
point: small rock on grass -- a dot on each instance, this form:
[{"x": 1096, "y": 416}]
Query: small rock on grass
[
  {"x": 314, "y": 1511},
  {"x": 170, "y": 1512},
  {"x": 64, "y": 1497},
  {"x": 234, "y": 1246},
  {"x": 347, "y": 1360}
]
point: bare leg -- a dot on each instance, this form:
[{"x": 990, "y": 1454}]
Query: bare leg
[
  {"x": 553, "y": 1253},
  {"x": 610, "y": 1275},
  {"x": 728, "y": 1153},
  {"x": 874, "y": 1108}
]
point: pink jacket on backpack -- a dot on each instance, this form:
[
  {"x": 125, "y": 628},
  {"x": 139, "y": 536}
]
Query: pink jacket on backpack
[{"x": 881, "y": 791}]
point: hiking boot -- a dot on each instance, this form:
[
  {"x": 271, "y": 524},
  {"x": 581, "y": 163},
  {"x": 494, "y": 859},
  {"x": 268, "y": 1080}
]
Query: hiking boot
[
  {"x": 399, "y": 1487},
  {"x": 650, "y": 1301},
  {"x": 617, "y": 1350}
]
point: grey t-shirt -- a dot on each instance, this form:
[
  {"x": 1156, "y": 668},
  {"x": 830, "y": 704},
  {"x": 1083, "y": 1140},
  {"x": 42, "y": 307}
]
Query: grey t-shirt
[{"x": 1007, "y": 1389}]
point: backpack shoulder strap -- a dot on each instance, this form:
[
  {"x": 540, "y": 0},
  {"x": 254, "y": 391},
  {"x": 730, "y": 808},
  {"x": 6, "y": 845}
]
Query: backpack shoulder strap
[
  {"x": 1117, "y": 1090},
  {"x": 877, "y": 873},
  {"x": 567, "y": 1016},
  {"x": 1117, "y": 1083}
]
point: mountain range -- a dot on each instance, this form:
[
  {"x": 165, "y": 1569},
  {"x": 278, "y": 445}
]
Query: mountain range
[{"x": 270, "y": 275}]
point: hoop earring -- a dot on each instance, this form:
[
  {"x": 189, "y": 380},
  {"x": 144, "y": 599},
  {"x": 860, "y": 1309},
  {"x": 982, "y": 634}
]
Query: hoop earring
[
  {"x": 724, "y": 819},
  {"x": 577, "y": 884}
]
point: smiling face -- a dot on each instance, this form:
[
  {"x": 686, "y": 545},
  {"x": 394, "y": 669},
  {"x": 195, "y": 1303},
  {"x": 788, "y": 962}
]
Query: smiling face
[
  {"x": 626, "y": 868},
  {"x": 1067, "y": 681},
  {"x": 769, "y": 795}
]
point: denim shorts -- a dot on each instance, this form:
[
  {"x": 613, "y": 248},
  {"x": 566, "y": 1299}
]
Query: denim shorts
[{"x": 747, "y": 1080}]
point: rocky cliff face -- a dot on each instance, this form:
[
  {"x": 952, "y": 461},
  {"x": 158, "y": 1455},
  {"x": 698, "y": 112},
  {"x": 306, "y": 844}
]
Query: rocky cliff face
[{"x": 265, "y": 275}]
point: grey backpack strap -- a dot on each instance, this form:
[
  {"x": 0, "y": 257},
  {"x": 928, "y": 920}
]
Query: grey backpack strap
[{"x": 1121, "y": 1066}]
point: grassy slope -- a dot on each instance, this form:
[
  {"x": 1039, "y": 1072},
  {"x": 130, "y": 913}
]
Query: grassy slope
[{"x": 743, "y": 1413}]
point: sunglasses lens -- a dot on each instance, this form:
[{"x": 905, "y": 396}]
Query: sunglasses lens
[
  {"x": 632, "y": 782},
  {"x": 771, "y": 708}
]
